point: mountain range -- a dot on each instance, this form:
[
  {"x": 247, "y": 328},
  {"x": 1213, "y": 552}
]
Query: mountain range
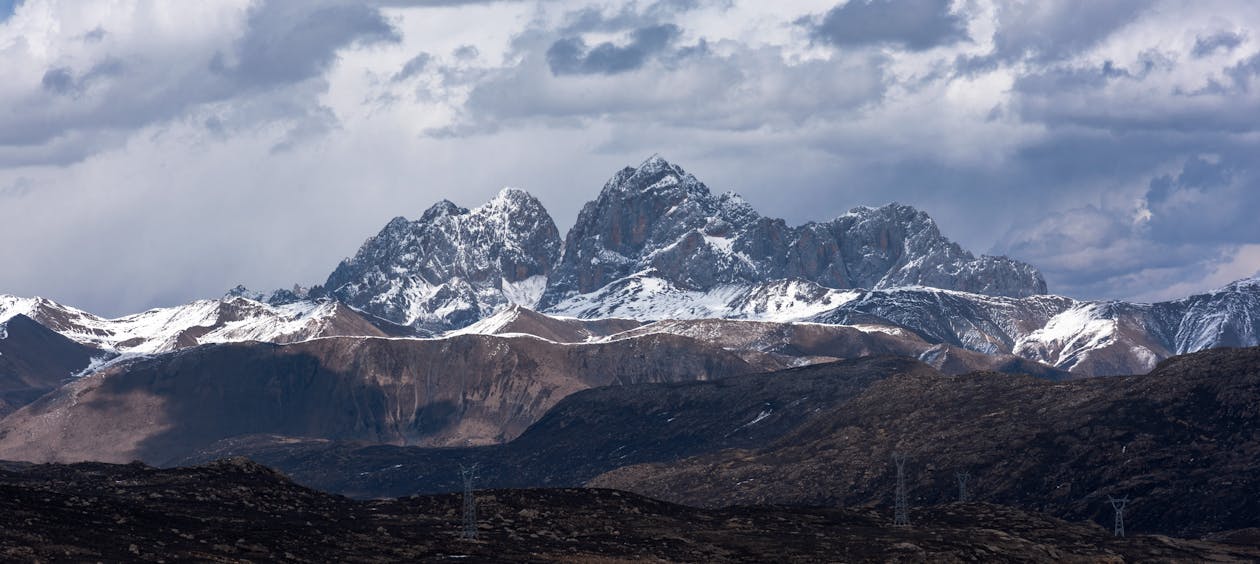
[
  {"x": 673, "y": 338},
  {"x": 656, "y": 245}
]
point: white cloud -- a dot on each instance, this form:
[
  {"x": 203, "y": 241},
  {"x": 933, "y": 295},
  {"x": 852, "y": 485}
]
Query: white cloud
[{"x": 140, "y": 175}]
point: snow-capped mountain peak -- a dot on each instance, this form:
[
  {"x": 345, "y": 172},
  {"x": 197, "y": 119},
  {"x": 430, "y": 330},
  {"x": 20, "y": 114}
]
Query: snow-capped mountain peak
[
  {"x": 454, "y": 265},
  {"x": 661, "y": 219}
]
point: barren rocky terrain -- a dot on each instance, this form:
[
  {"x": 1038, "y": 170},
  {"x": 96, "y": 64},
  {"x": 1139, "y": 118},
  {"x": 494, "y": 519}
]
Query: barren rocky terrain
[
  {"x": 584, "y": 435},
  {"x": 464, "y": 390},
  {"x": 1183, "y": 442},
  {"x": 237, "y": 511}
]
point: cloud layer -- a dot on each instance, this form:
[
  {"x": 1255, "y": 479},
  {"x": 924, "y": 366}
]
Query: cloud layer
[{"x": 154, "y": 153}]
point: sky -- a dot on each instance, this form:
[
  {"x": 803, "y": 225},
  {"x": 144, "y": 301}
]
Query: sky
[{"x": 157, "y": 152}]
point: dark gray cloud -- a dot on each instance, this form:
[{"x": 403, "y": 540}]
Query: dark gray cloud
[
  {"x": 914, "y": 24},
  {"x": 1220, "y": 41},
  {"x": 413, "y": 67},
  {"x": 20, "y": 187},
  {"x": 740, "y": 91},
  {"x": 313, "y": 124},
  {"x": 1137, "y": 97},
  {"x": 1182, "y": 227},
  {"x": 292, "y": 41},
  {"x": 571, "y": 55},
  {"x": 1208, "y": 201},
  {"x": 630, "y": 15},
  {"x": 284, "y": 44},
  {"x": 62, "y": 81},
  {"x": 1242, "y": 75},
  {"x": 1054, "y": 30},
  {"x": 59, "y": 81},
  {"x": 95, "y": 35}
]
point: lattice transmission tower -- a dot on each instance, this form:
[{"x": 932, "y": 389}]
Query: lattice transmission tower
[
  {"x": 901, "y": 510},
  {"x": 1118, "y": 505},
  {"x": 469, "y": 473},
  {"x": 962, "y": 485}
]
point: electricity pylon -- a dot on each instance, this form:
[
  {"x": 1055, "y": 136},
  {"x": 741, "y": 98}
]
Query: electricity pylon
[
  {"x": 962, "y": 485},
  {"x": 901, "y": 511},
  {"x": 469, "y": 473},
  {"x": 1118, "y": 505}
]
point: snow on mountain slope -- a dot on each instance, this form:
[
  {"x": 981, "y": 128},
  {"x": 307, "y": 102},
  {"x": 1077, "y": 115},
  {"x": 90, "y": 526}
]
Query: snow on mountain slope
[
  {"x": 518, "y": 320},
  {"x": 1228, "y": 317},
  {"x": 453, "y": 266},
  {"x": 648, "y": 297},
  {"x": 1091, "y": 338},
  {"x": 655, "y": 243},
  {"x": 204, "y": 321},
  {"x": 659, "y": 219}
]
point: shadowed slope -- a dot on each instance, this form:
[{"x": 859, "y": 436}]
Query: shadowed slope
[{"x": 472, "y": 389}]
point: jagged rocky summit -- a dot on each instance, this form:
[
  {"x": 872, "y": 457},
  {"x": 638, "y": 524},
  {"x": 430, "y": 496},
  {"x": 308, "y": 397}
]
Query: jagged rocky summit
[
  {"x": 655, "y": 244},
  {"x": 452, "y": 266},
  {"x": 660, "y": 220}
]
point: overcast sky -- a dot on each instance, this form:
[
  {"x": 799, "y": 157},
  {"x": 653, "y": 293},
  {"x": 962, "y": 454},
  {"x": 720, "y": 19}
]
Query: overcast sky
[{"x": 156, "y": 152}]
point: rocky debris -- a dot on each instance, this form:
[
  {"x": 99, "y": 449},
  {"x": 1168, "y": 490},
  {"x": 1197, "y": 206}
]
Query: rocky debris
[
  {"x": 237, "y": 511},
  {"x": 464, "y": 390},
  {"x": 1180, "y": 441},
  {"x": 453, "y": 266}
]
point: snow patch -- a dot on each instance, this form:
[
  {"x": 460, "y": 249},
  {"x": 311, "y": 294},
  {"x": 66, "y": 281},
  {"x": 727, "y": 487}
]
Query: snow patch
[
  {"x": 758, "y": 419},
  {"x": 525, "y": 292},
  {"x": 1069, "y": 337},
  {"x": 646, "y": 297}
]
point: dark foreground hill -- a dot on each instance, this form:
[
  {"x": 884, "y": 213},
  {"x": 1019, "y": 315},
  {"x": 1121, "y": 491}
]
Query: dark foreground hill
[
  {"x": 586, "y": 434},
  {"x": 1183, "y": 442},
  {"x": 237, "y": 511}
]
